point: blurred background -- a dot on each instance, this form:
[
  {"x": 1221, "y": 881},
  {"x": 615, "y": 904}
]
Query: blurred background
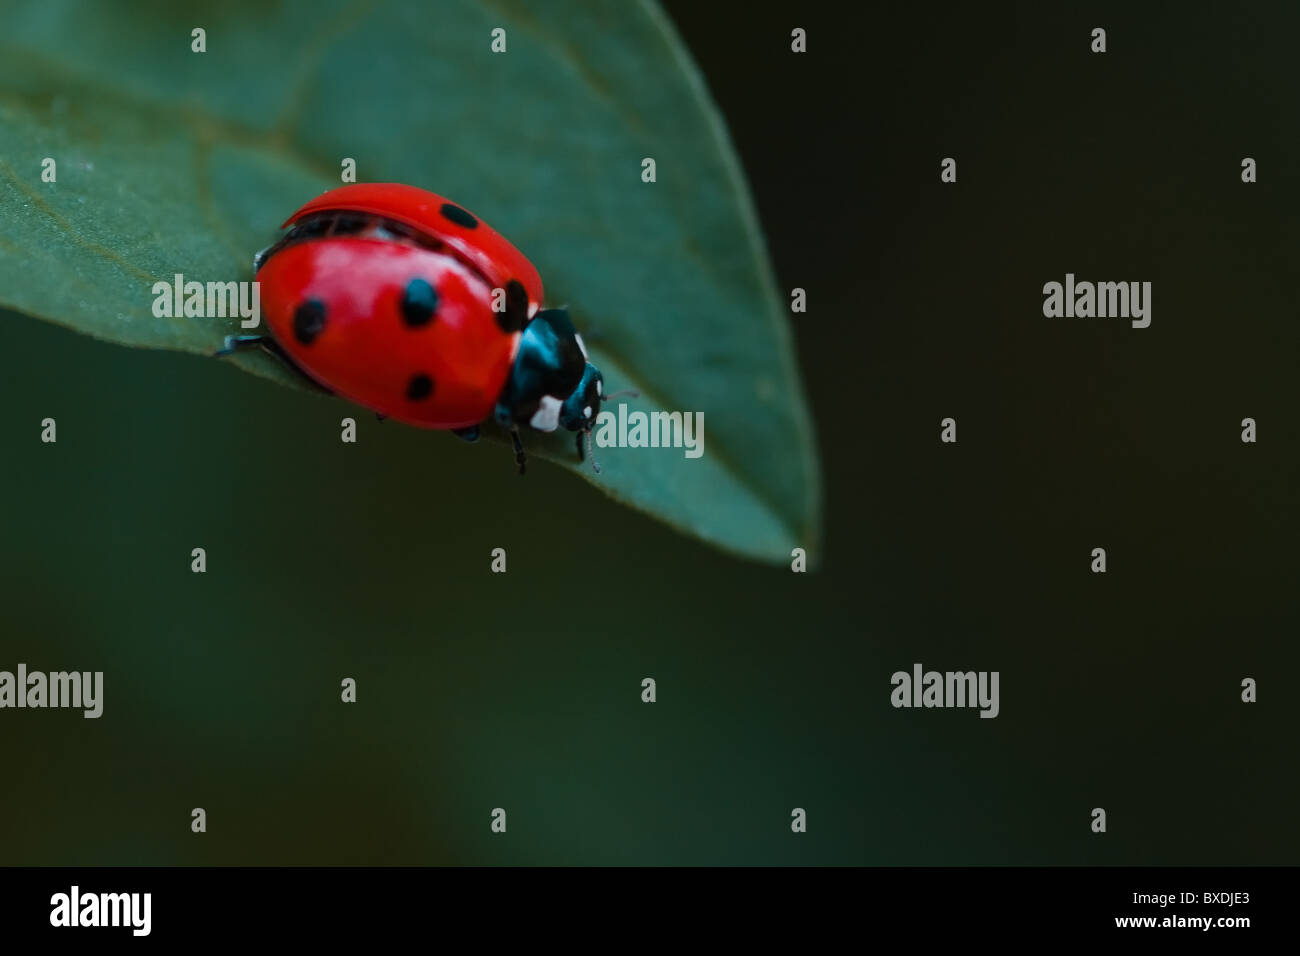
[{"x": 522, "y": 690}]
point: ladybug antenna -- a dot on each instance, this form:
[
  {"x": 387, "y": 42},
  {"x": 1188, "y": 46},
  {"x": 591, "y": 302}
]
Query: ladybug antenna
[
  {"x": 594, "y": 464},
  {"x": 627, "y": 391}
]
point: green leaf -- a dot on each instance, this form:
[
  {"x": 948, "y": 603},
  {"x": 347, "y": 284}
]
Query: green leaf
[{"x": 171, "y": 161}]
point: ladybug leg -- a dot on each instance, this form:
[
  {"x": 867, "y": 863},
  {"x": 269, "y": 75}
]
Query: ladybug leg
[
  {"x": 584, "y": 449},
  {"x": 521, "y": 459},
  {"x": 470, "y": 433},
  {"x": 242, "y": 343},
  {"x": 239, "y": 343}
]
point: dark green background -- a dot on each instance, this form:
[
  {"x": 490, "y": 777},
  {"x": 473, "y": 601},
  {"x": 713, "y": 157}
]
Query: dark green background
[{"x": 522, "y": 690}]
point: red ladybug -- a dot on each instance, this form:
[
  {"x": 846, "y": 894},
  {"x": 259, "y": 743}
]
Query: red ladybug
[{"x": 384, "y": 294}]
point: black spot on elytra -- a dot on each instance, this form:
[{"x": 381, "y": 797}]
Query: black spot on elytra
[
  {"x": 308, "y": 321},
  {"x": 459, "y": 216},
  {"x": 419, "y": 302},
  {"x": 419, "y": 387},
  {"x": 515, "y": 317}
]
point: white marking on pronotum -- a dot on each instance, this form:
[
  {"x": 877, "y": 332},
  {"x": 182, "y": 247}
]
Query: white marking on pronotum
[
  {"x": 580, "y": 344},
  {"x": 547, "y": 416},
  {"x": 586, "y": 411},
  {"x": 599, "y": 389}
]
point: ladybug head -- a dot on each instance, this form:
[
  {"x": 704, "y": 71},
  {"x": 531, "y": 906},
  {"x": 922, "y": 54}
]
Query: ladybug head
[
  {"x": 552, "y": 362},
  {"x": 582, "y": 407}
]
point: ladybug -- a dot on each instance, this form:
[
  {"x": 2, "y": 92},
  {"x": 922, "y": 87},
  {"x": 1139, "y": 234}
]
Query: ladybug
[{"x": 408, "y": 304}]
